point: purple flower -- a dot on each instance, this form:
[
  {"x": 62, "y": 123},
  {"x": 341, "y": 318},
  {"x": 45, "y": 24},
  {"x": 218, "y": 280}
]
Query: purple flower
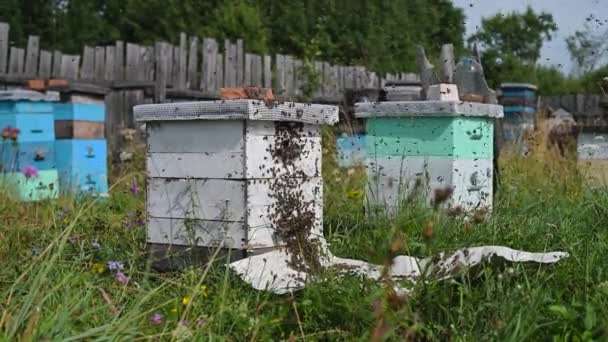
[
  {"x": 115, "y": 265},
  {"x": 30, "y": 171},
  {"x": 96, "y": 245},
  {"x": 201, "y": 323},
  {"x": 183, "y": 322},
  {"x": 156, "y": 318},
  {"x": 134, "y": 188},
  {"x": 122, "y": 278}
]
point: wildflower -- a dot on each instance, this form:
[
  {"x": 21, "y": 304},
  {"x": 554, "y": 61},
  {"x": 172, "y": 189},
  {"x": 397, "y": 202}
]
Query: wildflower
[
  {"x": 134, "y": 188},
  {"x": 156, "y": 318},
  {"x": 173, "y": 311},
  {"x": 203, "y": 290},
  {"x": 30, "y": 171},
  {"x": 96, "y": 245},
  {"x": 6, "y": 132},
  {"x": 355, "y": 194},
  {"x": 99, "y": 268},
  {"x": 201, "y": 323},
  {"x": 186, "y": 300},
  {"x": 122, "y": 278},
  {"x": 183, "y": 322},
  {"x": 115, "y": 265},
  {"x": 14, "y": 133},
  {"x": 36, "y": 251}
]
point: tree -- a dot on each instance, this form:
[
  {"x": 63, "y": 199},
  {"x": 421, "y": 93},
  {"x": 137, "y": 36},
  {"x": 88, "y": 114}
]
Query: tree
[
  {"x": 588, "y": 49},
  {"x": 511, "y": 44}
]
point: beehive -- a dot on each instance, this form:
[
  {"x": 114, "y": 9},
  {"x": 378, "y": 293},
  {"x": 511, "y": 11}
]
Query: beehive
[
  {"x": 239, "y": 174},
  {"x": 350, "y": 150},
  {"x": 429, "y": 147},
  {"x": 30, "y": 113},
  {"x": 519, "y": 102},
  {"x": 81, "y": 148}
]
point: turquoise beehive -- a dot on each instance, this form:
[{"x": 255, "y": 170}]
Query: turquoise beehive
[{"x": 430, "y": 147}]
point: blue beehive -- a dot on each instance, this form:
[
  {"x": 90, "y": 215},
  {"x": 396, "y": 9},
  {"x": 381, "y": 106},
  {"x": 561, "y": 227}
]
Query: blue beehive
[
  {"x": 519, "y": 103},
  {"x": 81, "y": 161},
  {"x": 26, "y": 121}
]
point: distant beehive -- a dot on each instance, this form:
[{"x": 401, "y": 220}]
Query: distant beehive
[
  {"x": 81, "y": 146},
  {"x": 28, "y": 146},
  {"x": 236, "y": 174},
  {"x": 519, "y": 102},
  {"x": 439, "y": 148}
]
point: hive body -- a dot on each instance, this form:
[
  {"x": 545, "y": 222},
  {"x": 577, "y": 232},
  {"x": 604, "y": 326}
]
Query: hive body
[{"x": 427, "y": 148}]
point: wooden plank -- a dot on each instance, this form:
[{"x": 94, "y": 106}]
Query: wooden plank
[
  {"x": 267, "y": 71},
  {"x": 192, "y": 81},
  {"x": 119, "y": 61},
  {"x": 15, "y": 66},
  {"x": 162, "y": 51},
  {"x": 69, "y": 66},
  {"x": 182, "y": 61},
  {"x": 209, "y": 68},
  {"x": 256, "y": 70},
  {"x": 148, "y": 63},
  {"x": 31, "y": 59},
  {"x": 133, "y": 59},
  {"x": 298, "y": 77},
  {"x": 4, "y": 47},
  {"x": 225, "y": 165},
  {"x": 209, "y": 199},
  {"x": 109, "y": 72},
  {"x": 280, "y": 72},
  {"x": 100, "y": 63},
  {"x": 174, "y": 66},
  {"x": 260, "y": 162},
  {"x": 219, "y": 73},
  {"x": 57, "y": 57},
  {"x": 289, "y": 75},
  {"x": 247, "y": 73},
  {"x": 88, "y": 63},
  {"x": 229, "y": 64},
  {"x": 240, "y": 75},
  {"x": 189, "y": 232},
  {"x": 201, "y": 136},
  {"x": 44, "y": 69}
]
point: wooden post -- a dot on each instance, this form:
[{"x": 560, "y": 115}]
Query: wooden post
[
  {"x": 15, "y": 66},
  {"x": 44, "y": 69},
  {"x": 57, "y": 57},
  {"x": 31, "y": 59},
  {"x": 88, "y": 63},
  {"x": 100, "y": 63},
  {"x": 119, "y": 61},
  {"x": 209, "y": 67},
  {"x": 192, "y": 81},
  {"x": 162, "y": 63},
  {"x": 110, "y": 73},
  {"x": 182, "y": 62},
  {"x": 267, "y": 71},
  {"x": 4, "y": 47}
]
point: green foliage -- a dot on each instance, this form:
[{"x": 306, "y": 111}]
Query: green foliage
[{"x": 378, "y": 34}]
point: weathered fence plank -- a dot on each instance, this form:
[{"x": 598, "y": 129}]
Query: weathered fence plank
[
  {"x": 15, "y": 66},
  {"x": 247, "y": 76},
  {"x": 256, "y": 70},
  {"x": 219, "y": 72},
  {"x": 240, "y": 51},
  {"x": 109, "y": 72},
  {"x": 230, "y": 56},
  {"x": 267, "y": 71},
  {"x": 182, "y": 62},
  {"x": 119, "y": 61},
  {"x": 209, "y": 68},
  {"x": 162, "y": 51},
  {"x": 4, "y": 47},
  {"x": 69, "y": 66},
  {"x": 88, "y": 63},
  {"x": 148, "y": 63},
  {"x": 280, "y": 85},
  {"x": 133, "y": 55},
  {"x": 44, "y": 68},
  {"x": 289, "y": 75},
  {"x": 31, "y": 59},
  {"x": 57, "y": 57},
  {"x": 192, "y": 80},
  {"x": 299, "y": 79},
  {"x": 100, "y": 63},
  {"x": 175, "y": 67}
]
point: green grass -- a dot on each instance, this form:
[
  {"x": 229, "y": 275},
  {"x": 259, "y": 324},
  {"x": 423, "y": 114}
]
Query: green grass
[{"x": 542, "y": 206}]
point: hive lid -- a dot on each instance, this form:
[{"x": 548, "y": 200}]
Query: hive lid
[
  {"x": 238, "y": 110},
  {"x": 518, "y": 85},
  {"x": 27, "y": 95},
  {"x": 427, "y": 108}
]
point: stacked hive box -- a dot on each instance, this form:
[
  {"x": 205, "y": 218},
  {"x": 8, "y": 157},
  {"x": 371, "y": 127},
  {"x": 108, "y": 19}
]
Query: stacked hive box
[
  {"x": 519, "y": 102},
  {"x": 240, "y": 175},
  {"x": 27, "y": 146},
  {"x": 429, "y": 146},
  {"x": 351, "y": 150},
  {"x": 81, "y": 149}
]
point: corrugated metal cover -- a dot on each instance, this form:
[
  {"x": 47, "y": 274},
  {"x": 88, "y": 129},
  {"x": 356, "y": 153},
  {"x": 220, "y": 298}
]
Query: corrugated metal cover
[
  {"x": 427, "y": 108},
  {"x": 27, "y": 95},
  {"x": 238, "y": 110}
]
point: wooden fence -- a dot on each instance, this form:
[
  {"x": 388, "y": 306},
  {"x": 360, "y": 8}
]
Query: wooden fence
[
  {"x": 589, "y": 110},
  {"x": 130, "y": 74}
]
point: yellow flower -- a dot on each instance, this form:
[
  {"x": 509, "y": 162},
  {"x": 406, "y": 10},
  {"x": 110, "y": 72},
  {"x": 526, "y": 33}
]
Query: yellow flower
[
  {"x": 186, "y": 300},
  {"x": 203, "y": 289},
  {"x": 173, "y": 310},
  {"x": 98, "y": 268},
  {"x": 355, "y": 194}
]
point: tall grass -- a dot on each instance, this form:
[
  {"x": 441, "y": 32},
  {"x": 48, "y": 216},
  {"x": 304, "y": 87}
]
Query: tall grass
[{"x": 52, "y": 289}]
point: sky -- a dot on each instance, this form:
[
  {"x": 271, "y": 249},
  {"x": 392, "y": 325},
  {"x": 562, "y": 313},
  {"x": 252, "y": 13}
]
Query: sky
[{"x": 569, "y": 15}]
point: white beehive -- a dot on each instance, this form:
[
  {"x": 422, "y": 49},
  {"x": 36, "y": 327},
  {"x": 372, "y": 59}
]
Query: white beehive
[{"x": 236, "y": 174}]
